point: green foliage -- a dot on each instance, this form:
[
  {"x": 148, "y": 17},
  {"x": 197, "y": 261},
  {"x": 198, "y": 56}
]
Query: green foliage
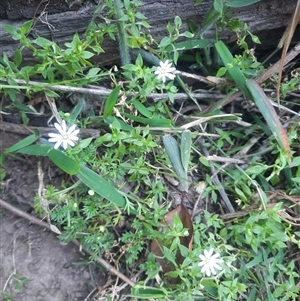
[{"x": 119, "y": 200}]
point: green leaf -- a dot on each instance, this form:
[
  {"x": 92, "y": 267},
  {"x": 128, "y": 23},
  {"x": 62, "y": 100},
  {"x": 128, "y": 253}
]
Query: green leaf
[
  {"x": 111, "y": 101},
  {"x": 87, "y": 54},
  {"x": 141, "y": 108},
  {"x": 170, "y": 256},
  {"x": 101, "y": 186},
  {"x": 295, "y": 162},
  {"x": 65, "y": 163},
  {"x": 23, "y": 143},
  {"x": 177, "y": 22},
  {"x": 155, "y": 122},
  {"x": 22, "y": 107},
  {"x": 10, "y": 29},
  {"x": 218, "y": 6},
  {"x": 18, "y": 56},
  {"x": 42, "y": 42},
  {"x": 172, "y": 150},
  {"x": 241, "y": 3},
  {"x": 267, "y": 110},
  {"x": 26, "y": 26},
  {"x": 190, "y": 44},
  {"x": 34, "y": 150},
  {"x": 234, "y": 71},
  {"x": 93, "y": 72},
  {"x": 147, "y": 292},
  {"x": 185, "y": 148},
  {"x": 210, "y": 20},
  {"x": 120, "y": 123},
  {"x": 51, "y": 93},
  {"x": 85, "y": 143},
  {"x": 81, "y": 103}
]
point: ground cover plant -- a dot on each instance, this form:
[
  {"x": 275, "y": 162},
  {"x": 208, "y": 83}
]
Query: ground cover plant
[{"x": 189, "y": 197}]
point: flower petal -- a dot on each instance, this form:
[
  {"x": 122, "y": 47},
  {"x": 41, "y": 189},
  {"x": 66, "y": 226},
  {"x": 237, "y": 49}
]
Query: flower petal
[
  {"x": 54, "y": 135},
  {"x": 54, "y": 139},
  {"x": 59, "y": 128},
  {"x": 65, "y": 144},
  {"x": 57, "y": 145},
  {"x": 71, "y": 129},
  {"x": 71, "y": 142},
  {"x": 64, "y": 127}
]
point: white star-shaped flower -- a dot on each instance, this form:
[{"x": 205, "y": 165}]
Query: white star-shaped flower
[
  {"x": 210, "y": 263},
  {"x": 64, "y": 137},
  {"x": 165, "y": 70}
]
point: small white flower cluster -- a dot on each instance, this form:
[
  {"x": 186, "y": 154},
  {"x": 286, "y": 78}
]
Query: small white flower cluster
[
  {"x": 164, "y": 71},
  {"x": 64, "y": 136},
  {"x": 210, "y": 263}
]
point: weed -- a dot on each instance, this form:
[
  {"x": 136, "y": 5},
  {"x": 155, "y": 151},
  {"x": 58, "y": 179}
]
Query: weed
[{"x": 119, "y": 195}]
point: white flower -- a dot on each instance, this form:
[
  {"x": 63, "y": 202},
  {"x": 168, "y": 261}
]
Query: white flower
[
  {"x": 165, "y": 70},
  {"x": 65, "y": 136},
  {"x": 210, "y": 262}
]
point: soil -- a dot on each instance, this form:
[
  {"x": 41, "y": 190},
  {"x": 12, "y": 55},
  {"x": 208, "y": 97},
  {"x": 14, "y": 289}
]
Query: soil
[{"x": 34, "y": 265}]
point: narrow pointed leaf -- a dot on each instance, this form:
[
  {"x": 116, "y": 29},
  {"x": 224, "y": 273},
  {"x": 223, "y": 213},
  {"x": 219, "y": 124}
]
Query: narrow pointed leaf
[
  {"x": 141, "y": 108},
  {"x": 185, "y": 148},
  {"x": 65, "y": 163},
  {"x": 233, "y": 70},
  {"x": 172, "y": 150},
  {"x": 242, "y": 3},
  {"x": 155, "y": 122},
  {"x": 147, "y": 292},
  {"x": 267, "y": 110},
  {"x": 33, "y": 150},
  {"x": 24, "y": 142},
  {"x": 101, "y": 186},
  {"x": 111, "y": 101}
]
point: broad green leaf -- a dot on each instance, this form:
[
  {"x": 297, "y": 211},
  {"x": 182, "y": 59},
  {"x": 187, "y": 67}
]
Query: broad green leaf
[
  {"x": 93, "y": 72},
  {"x": 87, "y": 54},
  {"x": 177, "y": 22},
  {"x": 85, "y": 143},
  {"x": 65, "y": 163},
  {"x": 295, "y": 162},
  {"x": 111, "y": 101},
  {"x": 156, "y": 122},
  {"x": 43, "y": 42},
  {"x": 172, "y": 150},
  {"x": 101, "y": 186},
  {"x": 10, "y": 29},
  {"x": 296, "y": 180},
  {"x": 185, "y": 148},
  {"x": 26, "y": 26},
  {"x": 234, "y": 71},
  {"x": 23, "y": 143},
  {"x": 267, "y": 110},
  {"x": 218, "y": 6}
]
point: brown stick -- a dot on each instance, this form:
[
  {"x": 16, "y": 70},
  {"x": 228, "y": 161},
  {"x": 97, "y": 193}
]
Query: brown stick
[{"x": 38, "y": 222}]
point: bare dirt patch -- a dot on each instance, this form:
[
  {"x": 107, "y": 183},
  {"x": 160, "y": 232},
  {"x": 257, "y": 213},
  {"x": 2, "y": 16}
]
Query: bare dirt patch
[{"x": 34, "y": 265}]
